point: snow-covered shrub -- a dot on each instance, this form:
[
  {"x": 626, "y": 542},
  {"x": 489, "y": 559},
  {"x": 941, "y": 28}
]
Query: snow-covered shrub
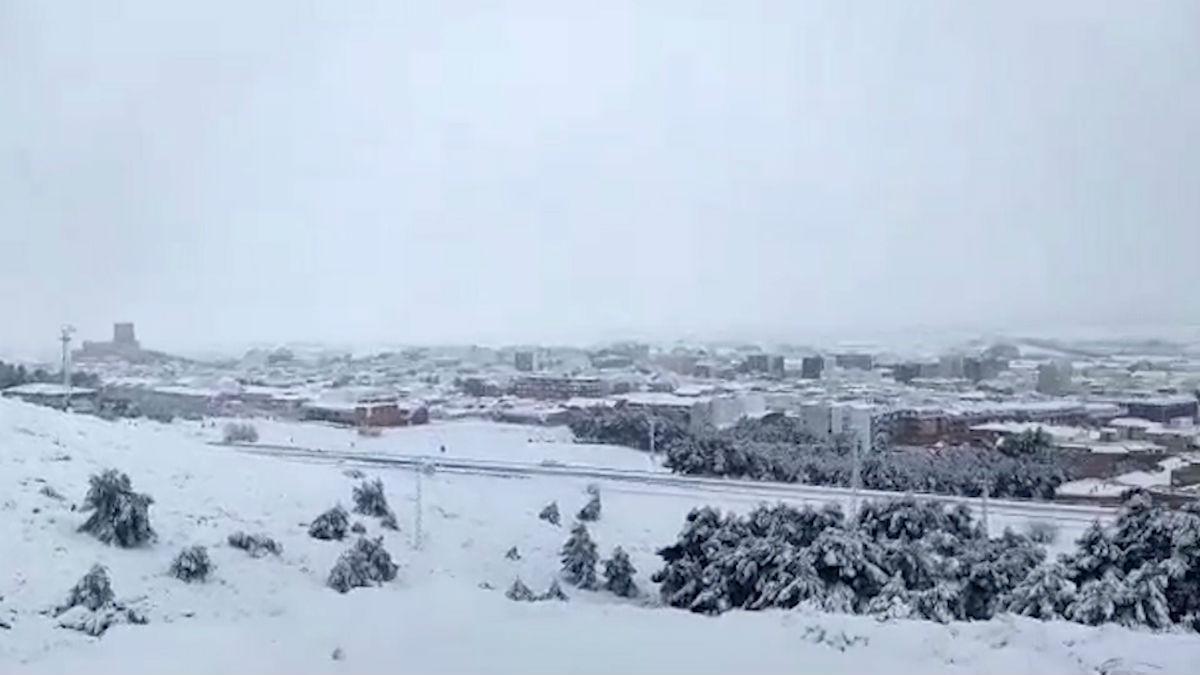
[
  {"x": 1097, "y": 600},
  {"x": 941, "y": 603},
  {"x": 513, "y": 554},
  {"x": 364, "y": 564},
  {"x": 257, "y": 545},
  {"x": 519, "y": 592},
  {"x": 240, "y": 432},
  {"x": 91, "y": 592},
  {"x": 550, "y": 513},
  {"x": 1095, "y": 556},
  {"x": 579, "y": 558},
  {"x": 358, "y": 527},
  {"x": 92, "y": 608},
  {"x": 192, "y": 564},
  {"x": 369, "y": 499},
  {"x": 1041, "y": 531},
  {"x": 892, "y": 602},
  {"x": 618, "y": 574},
  {"x": 992, "y": 568},
  {"x": 908, "y": 519},
  {"x": 1145, "y": 604},
  {"x": 555, "y": 592},
  {"x": 50, "y": 492},
  {"x": 590, "y": 511},
  {"x": 330, "y": 525},
  {"x": 120, "y": 515},
  {"x": 1045, "y": 593}
]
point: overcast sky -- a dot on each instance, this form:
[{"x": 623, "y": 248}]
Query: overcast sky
[{"x": 229, "y": 172}]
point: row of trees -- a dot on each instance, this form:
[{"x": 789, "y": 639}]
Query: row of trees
[
  {"x": 778, "y": 448},
  {"x": 911, "y": 559},
  {"x": 12, "y": 375}
]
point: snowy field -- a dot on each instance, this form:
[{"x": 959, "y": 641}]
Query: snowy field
[
  {"x": 276, "y": 615},
  {"x": 462, "y": 439}
]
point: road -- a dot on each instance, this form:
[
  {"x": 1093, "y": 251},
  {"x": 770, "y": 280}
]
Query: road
[{"x": 755, "y": 490}]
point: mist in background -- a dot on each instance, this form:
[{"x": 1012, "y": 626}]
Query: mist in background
[{"x": 235, "y": 172}]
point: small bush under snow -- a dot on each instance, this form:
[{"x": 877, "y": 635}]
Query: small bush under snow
[
  {"x": 257, "y": 545},
  {"x": 519, "y": 592},
  {"x": 240, "y": 432},
  {"x": 590, "y": 511},
  {"x": 192, "y": 564},
  {"x": 330, "y": 525},
  {"x": 550, "y": 514},
  {"x": 91, "y": 606},
  {"x": 1041, "y": 532},
  {"x": 120, "y": 515},
  {"x": 364, "y": 564}
]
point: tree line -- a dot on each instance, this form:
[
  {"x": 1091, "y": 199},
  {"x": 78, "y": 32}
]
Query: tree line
[{"x": 778, "y": 448}]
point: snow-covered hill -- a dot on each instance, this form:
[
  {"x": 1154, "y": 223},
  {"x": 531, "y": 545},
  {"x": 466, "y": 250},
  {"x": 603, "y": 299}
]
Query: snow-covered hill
[{"x": 276, "y": 614}]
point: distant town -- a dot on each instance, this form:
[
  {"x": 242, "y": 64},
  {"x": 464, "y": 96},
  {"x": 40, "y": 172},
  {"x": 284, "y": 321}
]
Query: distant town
[{"x": 1124, "y": 411}]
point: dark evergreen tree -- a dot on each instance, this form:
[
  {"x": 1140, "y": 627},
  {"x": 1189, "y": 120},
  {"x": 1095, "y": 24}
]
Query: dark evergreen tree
[
  {"x": 579, "y": 558},
  {"x": 618, "y": 574},
  {"x": 513, "y": 554}
]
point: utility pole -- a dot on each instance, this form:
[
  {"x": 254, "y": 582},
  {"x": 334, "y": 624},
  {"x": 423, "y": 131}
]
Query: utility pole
[
  {"x": 987, "y": 489},
  {"x": 65, "y": 338},
  {"x": 652, "y": 462},
  {"x": 417, "y": 517}
]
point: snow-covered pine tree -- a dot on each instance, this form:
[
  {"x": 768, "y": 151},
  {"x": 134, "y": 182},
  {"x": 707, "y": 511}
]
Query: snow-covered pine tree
[
  {"x": 120, "y": 515},
  {"x": 92, "y": 608},
  {"x": 942, "y": 603},
  {"x": 1095, "y": 556},
  {"x": 555, "y": 592},
  {"x": 192, "y": 564},
  {"x": 1145, "y": 603},
  {"x": 369, "y": 499},
  {"x": 550, "y": 514},
  {"x": 331, "y": 525},
  {"x": 92, "y": 592},
  {"x": 590, "y": 511},
  {"x": 1098, "y": 600},
  {"x": 519, "y": 592},
  {"x": 513, "y": 554},
  {"x": 364, "y": 564},
  {"x": 1045, "y": 593},
  {"x": 618, "y": 574},
  {"x": 579, "y": 558},
  {"x": 893, "y": 601}
]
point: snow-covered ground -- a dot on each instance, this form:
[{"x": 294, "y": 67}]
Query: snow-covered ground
[
  {"x": 275, "y": 615},
  {"x": 462, "y": 439}
]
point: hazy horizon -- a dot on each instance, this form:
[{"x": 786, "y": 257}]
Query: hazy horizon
[{"x": 228, "y": 174}]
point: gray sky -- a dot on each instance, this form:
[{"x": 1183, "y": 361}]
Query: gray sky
[{"x": 487, "y": 171}]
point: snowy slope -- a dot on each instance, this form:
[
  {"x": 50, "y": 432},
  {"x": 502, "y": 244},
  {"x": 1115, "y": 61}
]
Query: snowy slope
[{"x": 276, "y": 615}]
